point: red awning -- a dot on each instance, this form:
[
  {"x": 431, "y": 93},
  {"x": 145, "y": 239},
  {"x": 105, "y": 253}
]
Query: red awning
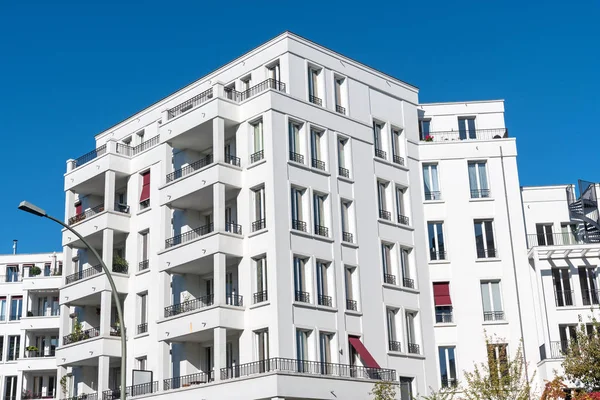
[
  {"x": 145, "y": 186},
  {"x": 367, "y": 359},
  {"x": 78, "y": 208},
  {"x": 441, "y": 294}
]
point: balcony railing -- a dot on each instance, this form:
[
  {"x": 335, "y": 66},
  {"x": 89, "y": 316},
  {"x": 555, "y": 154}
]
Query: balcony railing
[
  {"x": 351, "y": 305},
  {"x": 259, "y": 297},
  {"x": 559, "y": 349},
  {"x": 86, "y": 158},
  {"x": 83, "y": 396},
  {"x": 398, "y": 160},
  {"x": 298, "y": 225},
  {"x": 303, "y": 297},
  {"x": 315, "y": 100},
  {"x": 190, "y": 305},
  {"x": 236, "y": 96},
  {"x": 555, "y": 239},
  {"x": 308, "y": 367},
  {"x": 233, "y": 227},
  {"x": 233, "y": 160},
  {"x": 142, "y": 328},
  {"x": 414, "y": 348},
  {"x": 259, "y": 155},
  {"x": 318, "y": 164},
  {"x": 146, "y": 145},
  {"x": 590, "y": 297},
  {"x": 444, "y": 318},
  {"x": 86, "y": 214},
  {"x": 258, "y": 225},
  {"x": 564, "y": 298},
  {"x": 402, "y": 219},
  {"x": 479, "y": 134},
  {"x": 27, "y": 394},
  {"x": 234, "y": 300},
  {"x": 449, "y": 382},
  {"x": 344, "y": 172},
  {"x": 144, "y": 265},
  {"x": 80, "y": 336},
  {"x": 189, "y": 104},
  {"x": 394, "y": 345},
  {"x": 296, "y": 157},
  {"x": 493, "y": 315},
  {"x": 390, "y": 279},
  {"x": 40, "y": 353},
  {"x": 383, "y": 214},
  {"x": 11, "y": 277},
  {"x": 480, "y": 193},
  {"x": 437, "y": 255},
  {"x": 487, "y": 253},
  {"x": 347, "y": 237},
  {"x": 325, "y": 300},
  {"x": 131, "y": 391},
  {"x": 187, "y": 236},
  {"x": 340, "y": 109},
  {"x": 187, "y": 380},
  {"x": 86, "y": 273},
  {"x": 44, "y": 312},
  {"x": 408, "y": 283},
  {"x": 435, "y": 195},
  {"x": 380, "y": 154},
  {"x": 189, "y": 169},
  {"x": 321, "y": 230}
]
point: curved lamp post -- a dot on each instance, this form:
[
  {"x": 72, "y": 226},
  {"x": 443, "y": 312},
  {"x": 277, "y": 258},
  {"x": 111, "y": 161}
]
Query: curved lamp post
[{"x": 32, "y": 209}]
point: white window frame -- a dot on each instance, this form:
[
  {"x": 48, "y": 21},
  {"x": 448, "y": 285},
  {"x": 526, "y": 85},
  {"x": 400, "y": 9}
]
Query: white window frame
[
  {"x": 435, "y": 190},
  {"x": 484, "y": 235},
  {"x": 448, "y": 369},
  {"x": 490, "y": 296},
  {"x": 436, "y": 226},
  {"x": 478, "y": 179}
]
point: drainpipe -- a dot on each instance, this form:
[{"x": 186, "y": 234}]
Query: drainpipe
[{"x": 15, "y": 246}]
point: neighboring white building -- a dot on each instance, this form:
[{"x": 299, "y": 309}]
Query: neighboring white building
[{"x": 29, "y": 321}]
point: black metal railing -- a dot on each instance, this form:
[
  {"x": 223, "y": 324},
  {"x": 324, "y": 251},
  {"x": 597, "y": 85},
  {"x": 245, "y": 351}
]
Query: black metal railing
[
  {"x": 188, "y": 169},
  {"x": 487, "y": 253},
  {"x": 383, "y": 214},
  {"x": 590, "y": 297},
  {"x": 83, "y": 396},
  {"x": 345, "y": 172},
  {"x": 44, "y": 312},
  {"x": 146, "y": 145},
  {"x": 315, "y": 100},
  {"x": 115, "y": 330},
  {"x": 233, "y": 227},
  {"x": 80, "y": 336},
  {"x": 403, "y": 219},
  {"x": 449, "y": 382},
  {"x": 564, "y": 298},
  {"x": 555, "y": 239},
  {"x": 340, "y": 109},
  {"x": 493, "y": 315},
  {"x": 408, "y": 283},
  {"x": 444, "y": 318},
  {"x": 394, "y": 346},
  {"x": 380, "y": 154},
  {"x": 190, "y": 305},
  {"x": 389, "y": 278},
  {"x": 303, "y": 297},
  {"x": 398, "y": 160},
  {"x": 414, "y": 348},
  {"x": 144, "y": 204},
  {"x": 86, "y": 214},
  {"x": 122, "y": 208},
  {"x": 437, "y": 255},
  {"x": 325, "y": 300},
  {"x": 187, "y": 236},
  {"x": 234, "y": 300},
  {"x": 144, "y": 265},
  {"x": 351, "y": 305},
  {"x": 308, "y": 367},
  {"x": 347, "y": 237},
  {"x": 142, "y": 328},
  {"x": 321, "y": 230},
  {"x": 480, "y": 193},
  {"x": 259, "y": 297},
  {"x": 86, "y": 273},
  {"x": 296, "y": 157},
  {"x": 259, "y": 155},
  {"x": 478, "y": 134},
  {"x": 40, "y": 353},
  {"x": 559, "y": 349},
  {"x": 435, "y": 195},
  {"x": 131, "y": 391},
  {"x": 298, "y": 225},
  {"x": 233, "y": 160},
  {"x": 270, "y": 83},
  {"x": 258, "y": 225},
  {"x": 189, "y": 104},
  {"x": 86, "y": 158},
  {"x": 318, "y": 164},
  {"x": 187, "y": 380}
]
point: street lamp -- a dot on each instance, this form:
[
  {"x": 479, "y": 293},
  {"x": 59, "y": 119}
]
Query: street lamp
[{"x": 35, "y": 210}]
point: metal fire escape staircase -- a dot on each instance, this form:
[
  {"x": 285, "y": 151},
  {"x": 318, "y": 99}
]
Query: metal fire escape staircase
[{"x": 584, "y": 211}]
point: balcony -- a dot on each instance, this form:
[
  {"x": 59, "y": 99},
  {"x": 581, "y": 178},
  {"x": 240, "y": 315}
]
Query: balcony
[
  {"x": 347, "y": 237},
  {"x": 408, "y": 283},
  {"x": 556, "y": 239},
  {"x": 143, "y": 265},
  {"x": 45, "y": 319},
  {"x": 449, "y": 382},
  {"x": 189, "y": 169},
  {"x": 142, "y": 328},
  {"x": 340, "y": 109},
  {"x": 389, "y": 279},
  {"x": 234, "y": 95},
  {"x": 95, "y": 220},
  {"x": 403, "y": 220},
  {"x": 233, "y": 228},
  {"x": 380, "y": 154},
  {"x": 189, "y": 236},
  {"x": 188, "y": 306},
  {"x": 84, "y": 396},
  {"x": 255, "y": 157},
  {"x": 88, "y": 334},
  {"x": 260, "y": 297},
  {"x": 437, "y": 255},
  {"x": 351, "y": 305},
  {"x": 189, "y": 104},
  {"x": 478, "y": 134},
  {"x": 383, "y": 214},
  {"x": 131, "y": 391},
  {"x": 559, "y": 349},
  {"x": 187, "y": 380},
  {"x": 489, "y": 316},
  {"x": 318, "y": 164},
  {"x": 302, "y": 297},
  {"x": 394, "y": 346},
  {"x": 345, "y": 172},
  {"x": 95, "y": 270},
  {"x": 564, "y": 298},
  {"x": 298, "y": 225},
  {"x": 432, "y": 196},
  {"x": 414, "y": 348},
  {"x": 487, "y": 253},
  {"x": 296, "y": 157},
  {"x": 398, "y": 160},
  {"x": 481, "y": 193},
  {"x": 315, "y": 100},
  {"x": 321, "y": 230},
  {"x": 444, "y": 318},
  {"x": 259, "y": 225},
  {"x": 325, "y": 300}
]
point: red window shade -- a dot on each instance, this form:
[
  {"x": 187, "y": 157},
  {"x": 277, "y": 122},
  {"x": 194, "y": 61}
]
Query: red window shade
[
  {"x": 441, "y": 294},
  {"x": 145, "y": 186},
  {"x": 78, "y": 208},
  {"x": 367, "y": 359}
]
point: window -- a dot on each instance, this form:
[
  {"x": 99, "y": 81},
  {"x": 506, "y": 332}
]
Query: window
[
  {"x": 1, "y": 348},
  {"x": 2, "y": 308},
  {"x": 562, "y": 287},
  {"x": 447, "y": 366},
  {"x": 382, "y": 200},
  {"x": 140, "y": 136},
  {"x": 260, "y": 219},
  {"x": 47, "y": 269},
  {"x": 393, "y": 342},
  {"x": 274, "y": 72},
  {"x": 14, "y": 344},
  {"x": 497, "y": 360},
  {"x": 294, "y": 142},
  {"x": 443, "y": 303},
  {"x": 402, "y": 218},
  {"x": 339, "y": 83},
  {"x": 569, "y": 233},
  {"x": 484, "y": 239},
  {"x": 257, "y": 142},
  {"x": 478, "y": 181},
  {"x": 145, "y": 191},
  {"x": 316, "y": 139},
  {"x": 567, "y": 334},
  {"x": 12, "y": 273},
  {"x": 424, "y": 128},
  {"x": 492, "y": 301},
  {"x": 407, "y": 281},
  {"x": 142, "y": 363},
  {"x": 544, "y": 234},
  {"x": 342, "y": 163},
  {"x": 143, "y": 313},
  {"x": 246, "y": 85},
  {"x": 323, "y": 297},
  {"x": 297, "y": 195},
  {"x": 589, "y": 287},
  {"x": 301, "y": 346},
  {"x": 431, "y": 182},
  {"x": 377, "y": 140},
  {"x": 406, "y": 392},
  {"x": 388, "y": 269},
  {"x": 347, "y": 230},
  {"x": 313, "y": 86},
  {"x": 437, "y": 249},
  {"x": 411, "y": 336},
  {"x": 16, "y": 308},
  {"x": 320, "y": 218},
  {"x": 466, "y": 128},
  {"x": 351, "y": 303},
  {"x": 325, "y": 343},
  {"x": 300, "y": 278},
  {"x": 395, "y": 139},
  {"x": 10, "y": 387},
  {"x": 260, "y": 265}
]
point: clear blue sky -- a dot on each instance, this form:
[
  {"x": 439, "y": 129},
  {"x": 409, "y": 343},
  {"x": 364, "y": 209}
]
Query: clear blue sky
[{"x": 70, "y": 69}]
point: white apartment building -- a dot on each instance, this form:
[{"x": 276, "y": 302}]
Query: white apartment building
[{"x": 29, "y": 322}]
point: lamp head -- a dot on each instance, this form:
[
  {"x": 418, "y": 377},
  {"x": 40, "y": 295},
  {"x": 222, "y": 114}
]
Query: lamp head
[{"x": 32, "y": 209}]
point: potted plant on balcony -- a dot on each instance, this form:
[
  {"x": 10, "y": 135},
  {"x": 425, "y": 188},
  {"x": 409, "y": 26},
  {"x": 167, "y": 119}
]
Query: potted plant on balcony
[
  {"x": 120, "y": 264},
  {"x": 34, "y": 271},
  {"x": 32, "y": 350},
  {"x": 429, "y": 138}
]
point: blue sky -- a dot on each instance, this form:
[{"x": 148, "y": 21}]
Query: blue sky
[{"x": 70, "y": 69}]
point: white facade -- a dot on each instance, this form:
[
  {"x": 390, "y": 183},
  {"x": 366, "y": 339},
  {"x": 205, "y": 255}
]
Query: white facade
[{"x": 29, "y": 321}]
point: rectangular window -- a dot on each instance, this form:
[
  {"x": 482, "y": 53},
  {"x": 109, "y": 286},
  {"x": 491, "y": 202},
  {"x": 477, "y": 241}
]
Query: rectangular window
[
  {"x": 325, "y": 344},
  {"x": 347, "y": 235},
  {"x": 484, "y": 239},
  {"x": 16, "y": 308},
  {"x": 313, "y": 86},
  {"x": 544, "y": 234},
  {"x": 340, "y": 104},
  {"x": 388, "y": 268},
  {"x": 274, "y": 72},
  {"x": 402, "y": 218},
  {"x": 297, "y": 212},
  {"x": 343, "y": 165},
  {"x": 142, "y": 363},
  {"x": 437, "y": 249},
  {"x": 257, "y": 142},
  {"x": 260, "y": 219},
  {"x": 351, "y": 303},
  {"x": 396, "y": 140},
  {"x": 294, "y": 142},
  {"x": 562, "y": 287},
  {"x": 145, "y": 190},
  {"x": 569, "y": 234},
  {"x": 406, "y": 391},
  {"x": 301, "y": 346},
  {"x": 447, "y": 366},
  {"x": 14, "y": 345},
  {"x": 143, "y": 316},
  {"x": 466, "y": 128},
  {"x": 300, "y": 281},
  {"x": 323, "y": 297},
  {"x": 411, "y": 336},
  {"x": 431, "y": 183},
  {"x": 320, "y": 218},
  {"x": 393, "y": 342},
  {"x": 443, "y": 303},
  {"x": 316, "y": 148},
  {"x": 144, "y": 263},
  {"x": 588, "y": 285},
  {"x": 497, "y": 360},
  {"x": 478, "y": 180},
  {"x": 424, "y": 128},
  {"x": 260, "y": 265},
  {"x": 246, "y": 85},
  {"x": 492, "y": 301},
  {"x": 377, "y": 141},
  {"x": 10, "y": 387},
  {"x": 12, "y": 273},
  {"x": 2, "y": 308},
  {"x": 262, "y": 344},
  {"x": 1, "y": 348},
  {"x": 47, "y": 269},
  {"x": 382, "y": 200},
  {"x": 407, "y": 280}
]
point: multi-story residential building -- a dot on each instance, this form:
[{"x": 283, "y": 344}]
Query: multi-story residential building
[
  {"x": 29, "y": 322},
  {"x": 564, "y": 254}
]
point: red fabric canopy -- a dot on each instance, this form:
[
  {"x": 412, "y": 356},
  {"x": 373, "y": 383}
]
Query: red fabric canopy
[
  {"x": 441, "y": 294},
  {"x": 145, "y": 186},
  {"x": 367, "y": 359},
  {"x": 78, "y": 209}
]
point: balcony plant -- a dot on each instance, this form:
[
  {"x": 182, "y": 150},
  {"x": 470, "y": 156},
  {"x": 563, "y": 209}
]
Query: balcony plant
[
  {"x": 120, "y": 264},
  {"x": 63, "y": 385},
  {"x": 429, "y": 138},
  {"x": 32, "y": 350},
  {"x": 34, "y": 270}
]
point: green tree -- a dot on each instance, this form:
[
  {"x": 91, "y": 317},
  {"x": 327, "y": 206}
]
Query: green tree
[
  {"x": 383, "y": 390},
  {"x": 582, "y": 358},
  {"x": 442, "y": 394}
]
